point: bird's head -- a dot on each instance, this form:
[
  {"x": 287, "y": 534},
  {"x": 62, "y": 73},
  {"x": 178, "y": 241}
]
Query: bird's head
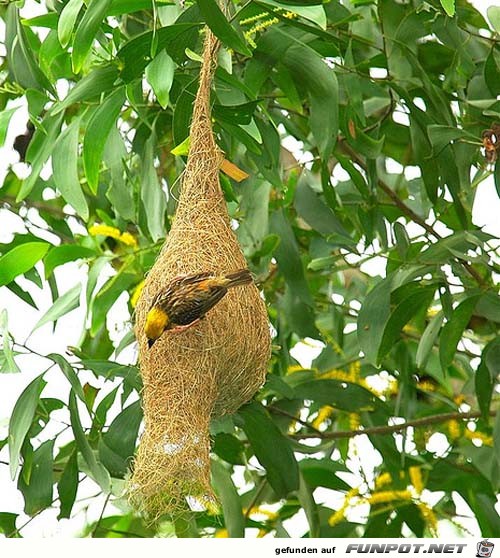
[{"x": 156, "y": 323}]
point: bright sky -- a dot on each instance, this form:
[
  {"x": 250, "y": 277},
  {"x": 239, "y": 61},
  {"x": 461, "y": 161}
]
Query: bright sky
[{"x": 23, "y": 318}]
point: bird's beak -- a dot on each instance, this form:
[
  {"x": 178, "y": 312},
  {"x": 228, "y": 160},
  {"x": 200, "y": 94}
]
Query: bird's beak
[{"x": 151, "y": 342}]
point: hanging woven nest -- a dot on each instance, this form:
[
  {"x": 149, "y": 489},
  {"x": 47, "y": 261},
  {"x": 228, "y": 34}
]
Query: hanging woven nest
[{"x": 212, "y": 368}]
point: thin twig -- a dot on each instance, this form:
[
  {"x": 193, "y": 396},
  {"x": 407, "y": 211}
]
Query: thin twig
[
  {"x": 96, "y": 526},
  {"x": 279, "y": 411},
  {"x": 255, "y": 498},
  {"x": 376, "y": 430}
]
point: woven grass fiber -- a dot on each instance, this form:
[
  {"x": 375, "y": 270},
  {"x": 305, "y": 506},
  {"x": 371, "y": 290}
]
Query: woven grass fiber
[{"x": 214, "y": 367}]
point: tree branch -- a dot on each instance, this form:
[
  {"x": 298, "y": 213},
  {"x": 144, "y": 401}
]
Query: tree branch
[
  {"x": 405, "y": 209},
  {"x": 425, "y": 421}
]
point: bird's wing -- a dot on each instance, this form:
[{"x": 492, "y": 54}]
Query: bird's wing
[{"x": 195, "y": 304}]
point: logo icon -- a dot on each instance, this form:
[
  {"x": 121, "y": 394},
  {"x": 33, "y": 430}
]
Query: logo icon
[{"x": 484, "y": 549}]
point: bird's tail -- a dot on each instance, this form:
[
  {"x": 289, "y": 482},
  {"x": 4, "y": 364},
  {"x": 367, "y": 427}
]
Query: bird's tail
[{"x": 240, "y": 277}]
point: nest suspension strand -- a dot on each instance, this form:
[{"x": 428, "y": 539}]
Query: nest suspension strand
[{"x": 212, "y": 368}]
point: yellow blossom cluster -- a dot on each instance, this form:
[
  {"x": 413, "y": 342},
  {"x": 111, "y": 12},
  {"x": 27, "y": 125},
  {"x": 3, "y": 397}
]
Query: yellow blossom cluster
[
  {"x": 429, "y": 517},
  {"x": 262, "y": 24},
  {"x": 383, "y": 480},
  {"x": 323, "y": 414},
  {"x": 136, "y": 294},
  {"x": 339, "y": 515},
  {"x": 481, "y": 436},
  {"x": 416, "y": 480},
  {"x": 106, "y": 230}
]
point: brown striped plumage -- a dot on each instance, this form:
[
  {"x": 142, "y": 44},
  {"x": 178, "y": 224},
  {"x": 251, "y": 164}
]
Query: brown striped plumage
[{"x": 187, "y": 299}]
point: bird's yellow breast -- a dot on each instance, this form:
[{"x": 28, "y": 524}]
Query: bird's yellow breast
[{"x": 156, "y": 322}]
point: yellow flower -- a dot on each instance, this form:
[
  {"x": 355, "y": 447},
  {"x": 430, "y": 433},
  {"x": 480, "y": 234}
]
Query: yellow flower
[
  {"x": 335, "y": 374},
  {"x": 136, "y": 294},
  {"x": 113, "y": 232},
  {"x": 323, "y": 414},
  {"x": 383, "y": 480},
  {"x": 388, "y": 496},
  {"x": 254, "y": 18},
  {"x": 105, "y": 230},
  {"x": 355, "y": 370},
  {"x": 484, "y": 438},
  {"x": 221, "y": 534},
  {"x": 294, "y": 368},
  {"x": 454, "y": 429},
  {"x": 428, "y": 516},
  {"x": 415, "y": 473},
  {"x": 339, "y": 515},
  {"x": 270, "y": 515},
  {"x": 425, "y": 385},
  {"x": 128, "y": 239},
  {"x": 354, "y": 421}
]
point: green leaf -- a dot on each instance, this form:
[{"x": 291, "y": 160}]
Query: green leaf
[
  {"x": 65, "y": 169},
  {"x": 449, "y": 7},
  {"x": 97, "y": 133},
  {"x": 349, "y": 397},
  {"x": 70, "y": 374},
  {"x": 453, "y": 330},
  {"x": 221, "y": 27},
  {"x": 21, "y": 48},
  {"x": 311, "y": 72},
  {"x": 492, "y": 70},
  {"x": 235, "y": 114},
  {"x": 372, "y": 320},
  {"x": 39, "y": 150},
  {"x": 288, "y": 257},
  {"x": 67, "y": 487},
  {"x": 87, "y": 31},
  {"x": 152, "y": 195},
  {"x": 496, "y": 439},
  {"x": 10, "y": 364},
  {"x": 298, "y": 300},
  {"x": 64, "y": 304},
  {"x": 441, "y": 136},
  {"x": 229, "y": 448},
  {"x": 135, "y": 54},
  {"x": 494, "y": 17},
  {"x": 120, "y": 191},
  {"x": 322, "y": 472},
  {"x": 306, "y": 499},
  {"x": 96, "y": 470},
  {"x": 271, "y": 448},
  {"x": 402, "y": 239},
  {"x": 487, "y": 374},
  {"x": 107, "y": 296},
  {"x": 120, "y": 7},
  {"x": 418, "y": 299},
  {"x": 99, "y": 80},
  {"x": 21, "y": 419},
  {"x": 428, "y": 339},
  {"x": 8, "y": 524},
  {"x": 117, "y": 445},
  {"x": 21, "y": 259},
  {"x": 67, "y": 20},
  {"x": 160, "y": 75},
  {"x": 316, "y": 213},
  {"x": 222, "y": 482},
  {"x": 59, "y": 255},
  {"x": 5, "y": 117},
  {"x": 37, "y": 492}
]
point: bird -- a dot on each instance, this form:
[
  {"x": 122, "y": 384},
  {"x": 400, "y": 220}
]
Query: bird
[{"x": 186, "y": 300}]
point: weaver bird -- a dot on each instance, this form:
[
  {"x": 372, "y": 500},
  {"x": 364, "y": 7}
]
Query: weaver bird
[{"x": 187, "y": 299}]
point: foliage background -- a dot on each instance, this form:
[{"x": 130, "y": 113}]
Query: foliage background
[{"x": 382, "y": 105}]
